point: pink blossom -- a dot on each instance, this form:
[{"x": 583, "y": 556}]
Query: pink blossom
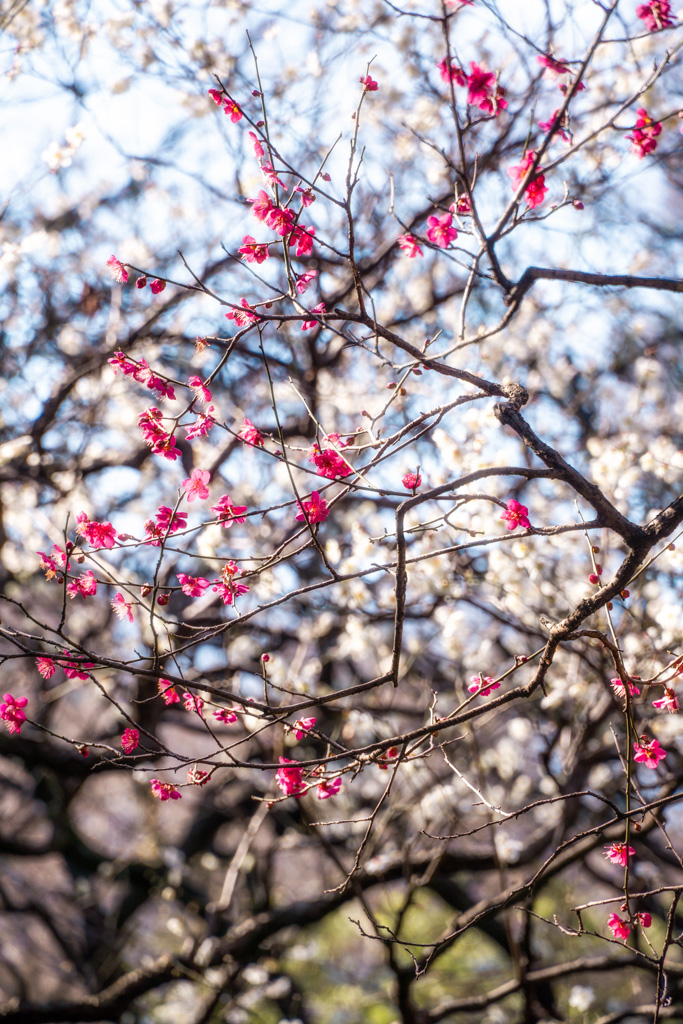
[
  {"x": 316, "y": 509},
  {"x": 193, "y": 586},
  {"x": 117, "y": 270},
  {"x": 259, "y": 151},
  {"x": 463, "y": 3},
  {"x": 250, "y": 434},
  {"x": 384, "y": 760},
  {"x": 561, "y": 128},
  {"x": 75, "y": 669},
  {"x": 46, "y": 667},
  {"x": 167, "y": 691},
  {"x": 122, "y": 608},
  {"x": 463, "y": 207},
  {"x": 216, "y": 95},
  {"x": 156, "y": 286},
  {"x": 252, "y": 251},
  {"x": 141, "y": 282},
  {"x": 440, "y": 231},
  {"x": 155, "y": 436},
  {"x": 141, "y": 372},
  {"x": 482, "y": 90},
  {"x": 451, "y": 72},
  {"x": 516, "y": 515},
  {"x": 227, "y": 513},
  {"x": 553, "y": 65},
  {"x": 193, "y": 703},
  {"x": 197, "y": 485},
  {"x": 620, "y": 929},
  {"x": 242, "y": 314},
  {"x": 618, "y": 853},
  {"x": 303, "y": 282},
  {"x": 129, "y": 740},
  {"x": 225, "y": 715},
  {"x": 54, "y": 563},
  {"x": 328, "y": 462},
  {"x": 197, "y": 777},
  {"x": 668, "y": 702},
  {"x": 232, "y": 110},
  {"x": 281, "y": 220},
  {"x": 649, "y": 754},
  {"x": 167, "y": 522},
  {"x": 644, "y": 918},
  {"x": 200, "y": 389},
  {"x": 164, "y": 790},
  {"x": 369, "y": 83},
  {"x": 202, "y": 425},
  {"x": 100, "y": 535},
  {"x": 225, "y": 584},
  {"x": 307, "y": 195},
  {"x": 482, "y": 685},
  {"x": 290, "y": 778},
  {"x": 410, "y": 246},
  {"x": 536, "y": 189},
  {"x": 302, "y": 726},
  {"x": 303, "y": 238},
  {"x": 328, "y": 788},
  {"x": 644, "y": 138},
  {"x": 656, "y": 14},
  {"x": 320, "y": 310},
  {"x": 411, "y": 481},
  {"x": 261, "y": 206},
  {"x": 618, "y": 687},
  {"x": 270, "y": 175},
  {"x": 11, "y": 712},
  {"x": 85, "y": 585}
]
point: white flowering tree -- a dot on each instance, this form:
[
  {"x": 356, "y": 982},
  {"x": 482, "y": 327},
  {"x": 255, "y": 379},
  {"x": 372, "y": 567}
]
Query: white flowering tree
[{"x": 341, "y": 448}]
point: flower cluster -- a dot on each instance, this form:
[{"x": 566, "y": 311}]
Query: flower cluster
[
  {"x": 315, "y": 510},
  {"x": 12, "y": 712},
  {"x": 141, "y": 372},
  {"x": 167, "y": 522},
  {"x": 656, "y": 14},
  {"x": 155, "y": 436},
  {"x": 290, "y": 778},
  {"x": 645, "y": 134},
  {"x": 100, "y": 535},
  {"x": 229, "y": 106},
  {"x": 536, "y": 189},
  {"x": 328, "y": 461},
  {"x": 164, "y": 790},
  {"x": 225, "y": 584}
]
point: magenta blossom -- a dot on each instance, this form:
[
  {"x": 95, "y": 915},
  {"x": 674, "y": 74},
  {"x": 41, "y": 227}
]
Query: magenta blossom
[
  {"x": 200, "y": 389},
  {"x": 656, "y": 14},
  {"x": 329, "y": 462},
  {"x": 308, "y": 324},
  {"x": 644, "y": 919},
  {"x": 516, "y": 515},
  {"x": 644, "y": 138},
  {"x": 129, "y": 740},
  {"x": 618, "y": 687},
  {"x": 410, "y": 246},
  {"x": 122, "y": 608},
  {"x": 252, "y": 251},
  {"x": 197, "y": 485},
  {"x": 225, "y": 715},
  {"x": 649, "y": 754},
  {"x": 619, "y": 853},
  {"x": 620, "y": 929},
  {"x": 440, "y": 231},
  {"x": 164, "y": 790},
  {"x": 451, "y": 72},
  {"x": 250, "y": 434},
  {"x": 411, "y": 481},
  {"x": 168, "y": 693},
  {"x": 193, "y": 703},
  {"x": 227, "y": 513},
  {"x": 117, "y": 270},
  {"x": 536, "y": 189},
  {"x": 193, "y": 586},
  {"x": 668, "y": 702},
  {"x": 303, "y": 282},
  {"x": 11, "y": 712},
  {"x": 483, "y": 91},
  {"x": 46, "y": 667},
  {"x": 85, "y": 585},
  {"x": 328, "y": 788},
  {"x": 225, "y": 584},
  {"x": 369, "y": 83},
  {"x": 316, "y": 510},
  {"x": 290, "y": 778},
  {"x": 302, "y": 726},
  {"x": 482, "y": 685}
]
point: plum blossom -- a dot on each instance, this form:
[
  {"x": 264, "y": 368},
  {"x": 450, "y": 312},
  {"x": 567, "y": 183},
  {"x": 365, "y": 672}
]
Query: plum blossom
[
  {"x": 232, "y": 110},
  {"x": 100, "y": 535},
  {"x": 410, "y": 246},
  {"x": 242, "y": 314},
  {"x": 644, "y": 138},
  {"x": 411, "y": 481},
  {"x": 202, "y": 425},
  {"x": 227, "y": 513},
  {"x": 167, "y": 522},
  {"x": 302, "y": 726},
  {"x": 451, "y": 72},
  {"x": 46, "y": 667},
  {"x": 328, "y": 788},
  {"x": 250, "y": 435},
  {"x": 11, "y": 712},
  {"x": 308, "y": 324},
  {"x": 290, "y": 778},
  {"x": 307, "y": 195},
  {"x": 122, "y": 609},
  {"x": 129, "y": 740},
  {"x": 482, "y": 90},
  {"x": 649, "y": 754},
  {"x": 197, "y": 485},
  {"x": 315, "y": 510},
  {"x": 619, "y": 853},
  {"x": 117, "y": 270},
  {"x": 200, "y": 389},
  {"x": 53, "y": 563},
  {"x": 281, "y": 220},
  {"x": 193, "y": 586},
  {"x": 157, "y": 286},
  {"x": 620, "y": 929},
  {"x": 252, "y": 251},
  {"x": 197, "y": 777},
  {"x": 644, "y": 919},
  {"x": 557, "y": 70},
  {"x": 440, "y": 231},
  {"x": 225, "y": 584},
  {"x": 168, "y": 693},
  {"x": 155, "y": 436},
  {"x": 75, "y": 669},
  {"x": 463, "y": 207},
  {"x": 85, "y": 585},
  {"x": 164, "y": 790},
  {"x": 384, "y": 760},
  {"x": 259, "y": 151},
  {"x": 261, "y": 205},
  {"x": 141, "y": 371},
  {"x": 225, "y": 715},
  {"x": 303, "y": 238},
  {"x": 369, "y": 83},
  {"x": 516, "y": 515},
  {"x": 619, "y": 691},
  {"x": 536, "y": 189},
  {"x": 193, "y": 703},
  {"x": 328, "y": 461},
  {"x": 559, "y": 126},
  {"x": 656, "y": 15},
  {"x": 303, "y": 282},
  {"x": 667, "y": 702},
  {"x": 482, "y": 685},
  {"x": 271, "y": 175}
]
